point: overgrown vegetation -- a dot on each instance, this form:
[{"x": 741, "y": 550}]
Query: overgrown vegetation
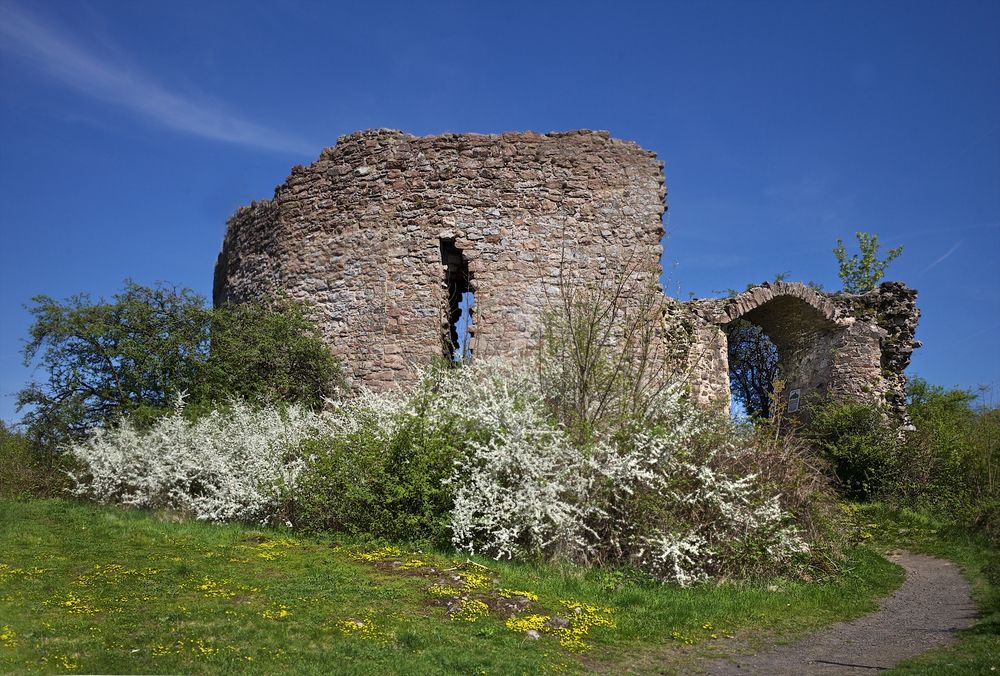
[
  {"x": 474, "y": 454},
  {"x": 863, "y": 448},
  {"x": 952, "y": 459},
  {"x": 947, "y": 465},
  {"x": 25, "y": 473},
  {"x": 265, "y": 354},
  {"x": 380, "y": 467},
  {"x": 591, "y": 454},
  {"x": 134, "y": 355}
]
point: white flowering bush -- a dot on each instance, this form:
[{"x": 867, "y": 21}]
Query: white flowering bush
[
  {"x": 233, "y": 464},
  {"x": 475, "y": 455},
  {"x": 519, "y": 486},
  {"x": 659, "y": 499},
  {"x": 693, "y": 518}
]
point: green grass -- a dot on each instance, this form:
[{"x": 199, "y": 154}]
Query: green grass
[
  {"x": 978, "y": 648},
  {"x": 91, "y": 589}
]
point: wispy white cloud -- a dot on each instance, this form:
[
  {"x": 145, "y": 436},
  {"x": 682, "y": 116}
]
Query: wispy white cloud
[
  {"x": 945, "y": 255},
  {"x": 71, "y": 64}
]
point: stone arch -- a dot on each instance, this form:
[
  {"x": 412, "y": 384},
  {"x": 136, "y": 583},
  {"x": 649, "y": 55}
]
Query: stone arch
[
  {"x": 804, "y": 325},
  {"x": 805, "y": 333},
  {"x": 846, "y": 346},
  {"x": 730, "y": 309}
]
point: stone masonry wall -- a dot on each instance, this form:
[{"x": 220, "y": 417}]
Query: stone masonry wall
[{"x": 361, "y": 235}]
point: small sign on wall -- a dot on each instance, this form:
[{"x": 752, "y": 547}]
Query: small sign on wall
[{"x": 793, "y": 400}]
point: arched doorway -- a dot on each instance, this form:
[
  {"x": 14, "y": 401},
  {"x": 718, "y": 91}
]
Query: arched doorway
[
  {"x": 783, "y": 338},
  {"x": 844, "y": 346},
  {"x": 754, "y": 367}
]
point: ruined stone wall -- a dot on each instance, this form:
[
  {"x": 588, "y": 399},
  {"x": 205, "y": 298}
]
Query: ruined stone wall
[
  {"x": 842, "y": 345},
  {"x": 360, "y": 234},
  {"x": 891, "y": 312},
  {"x": 384, "y": 231}
]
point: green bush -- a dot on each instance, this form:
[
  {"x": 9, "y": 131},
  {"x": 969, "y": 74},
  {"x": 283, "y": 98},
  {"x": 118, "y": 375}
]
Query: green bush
[
  {"x": 948, "y": 464},
  {"x": 368, "y": 485},
  {"x": 861, "y": 446},
  {"x": 26, "y": 473},
  {"x": 267, "y": 355},
  {"x": 951, "y": 463}
]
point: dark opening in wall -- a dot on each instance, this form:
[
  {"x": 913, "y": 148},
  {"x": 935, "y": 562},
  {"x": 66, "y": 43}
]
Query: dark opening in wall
[{"x": 457, "y": 334}]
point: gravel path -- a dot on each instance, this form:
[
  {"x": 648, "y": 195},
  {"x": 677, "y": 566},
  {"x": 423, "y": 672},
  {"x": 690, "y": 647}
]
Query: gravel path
[{"x": 925, "y": 612}]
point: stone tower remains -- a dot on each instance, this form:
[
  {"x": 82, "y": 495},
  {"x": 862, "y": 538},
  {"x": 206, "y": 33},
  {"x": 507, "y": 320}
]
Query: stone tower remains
[{"x": 385, "y": 232}]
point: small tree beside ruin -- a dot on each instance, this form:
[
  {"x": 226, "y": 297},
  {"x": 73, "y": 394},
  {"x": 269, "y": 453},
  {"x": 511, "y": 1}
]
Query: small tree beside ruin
[{"x": 861, "y": 274}]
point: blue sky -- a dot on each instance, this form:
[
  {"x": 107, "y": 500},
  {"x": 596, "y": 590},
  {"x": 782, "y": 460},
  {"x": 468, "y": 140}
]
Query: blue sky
[{"x": 130, "y": 131}]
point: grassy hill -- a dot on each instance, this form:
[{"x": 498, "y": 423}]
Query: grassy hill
[{"x": 90, "y": 589}]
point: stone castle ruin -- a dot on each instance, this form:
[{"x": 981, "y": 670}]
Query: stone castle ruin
[{"x": 386, "y": 233}]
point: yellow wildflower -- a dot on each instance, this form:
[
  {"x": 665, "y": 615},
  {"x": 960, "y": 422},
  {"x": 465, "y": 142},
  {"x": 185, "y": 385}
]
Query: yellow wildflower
[
  {"x": 380, "y": 554},
  {"x": 8, "y": 637},
  {"x": 510, "y": 593},
  {"x": 470, "y": 610},
  {"x": 278, "y": 612},
  {"x": 527, "y": 623}
]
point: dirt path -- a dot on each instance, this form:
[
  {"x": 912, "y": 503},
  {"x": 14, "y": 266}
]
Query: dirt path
[{"x": 925, "y": 612}]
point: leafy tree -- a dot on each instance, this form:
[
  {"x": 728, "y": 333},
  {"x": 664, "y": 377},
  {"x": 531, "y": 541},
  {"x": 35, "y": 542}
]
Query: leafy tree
[
  {"x": 267, "y": 355},
  {"x": 134, "y": 355},
  {"x": 862, "y": 273},
  {"x": 131, "y": 356},
  {"x": 753, "y": 367}
]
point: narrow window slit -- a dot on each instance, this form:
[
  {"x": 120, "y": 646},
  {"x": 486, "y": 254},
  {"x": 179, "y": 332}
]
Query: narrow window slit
[{"x": 457, "y": 335}]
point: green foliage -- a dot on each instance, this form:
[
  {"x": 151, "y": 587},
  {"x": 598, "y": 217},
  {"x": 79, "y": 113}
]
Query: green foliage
[
  {"x": 134, "y": 355},
  {"x": 860, "y": 445},
  {"x": 861, "y": 274},
  {"x": 25, "y": 473},
  {"x": 369, "y": 486},
  {"x": 104, "y": 359},
  {"x": 952, "y": 458},
  {"x": 266, "y": 355}
]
